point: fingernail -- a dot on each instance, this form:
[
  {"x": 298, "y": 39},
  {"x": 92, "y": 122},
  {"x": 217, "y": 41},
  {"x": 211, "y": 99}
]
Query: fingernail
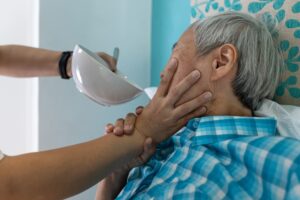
[
  {"x": 127, "y": 127},
  {"x": 196, "y": 74},
  {"x": 173, "y": 63},
  {"x": 203, "y": 110},
  {"x": 117, "y": 130},
  {"x": 208, "y": 95}
]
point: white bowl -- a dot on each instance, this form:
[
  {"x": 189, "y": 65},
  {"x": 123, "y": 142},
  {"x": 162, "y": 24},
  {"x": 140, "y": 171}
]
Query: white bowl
[{"x": 93, "y": 77}]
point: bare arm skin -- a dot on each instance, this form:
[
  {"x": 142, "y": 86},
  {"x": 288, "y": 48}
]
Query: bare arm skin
[
  {"x": 60, "y": 173},
  {"x": 23, "y": 61}
]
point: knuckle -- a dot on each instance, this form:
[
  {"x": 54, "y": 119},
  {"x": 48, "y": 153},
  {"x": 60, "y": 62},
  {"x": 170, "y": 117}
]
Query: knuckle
[{"x": 174, "y": 92}]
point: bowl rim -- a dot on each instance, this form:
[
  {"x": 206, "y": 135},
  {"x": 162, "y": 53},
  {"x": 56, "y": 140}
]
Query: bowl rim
[{"x": 98, "y": 59}]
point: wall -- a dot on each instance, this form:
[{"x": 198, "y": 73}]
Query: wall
[
  {"x": 169, "y": 19},
  {"x": 18, "y": 116},
  {"x": 66, "y": 116}
]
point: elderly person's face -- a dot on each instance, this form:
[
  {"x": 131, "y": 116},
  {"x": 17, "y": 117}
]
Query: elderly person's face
[{"x": 185, "y": 52}]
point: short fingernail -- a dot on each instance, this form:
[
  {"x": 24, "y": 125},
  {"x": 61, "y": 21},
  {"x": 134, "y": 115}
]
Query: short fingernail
[
  {"x": 173, "y": 62},
  {"x": 117, "y": 130},
  {"x": 128, "y": 127},
  {"x": 196, "y": 74},
  {"x": 203, "y": 110},
  {"x": 208, "y": 95}
]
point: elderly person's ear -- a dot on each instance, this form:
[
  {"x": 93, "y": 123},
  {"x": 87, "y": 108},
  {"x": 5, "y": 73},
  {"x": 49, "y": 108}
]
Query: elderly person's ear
[{"x": 224, "y": 63}]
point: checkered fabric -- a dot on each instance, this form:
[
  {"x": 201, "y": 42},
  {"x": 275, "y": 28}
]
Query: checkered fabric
[{"x": 220, "y": 157}]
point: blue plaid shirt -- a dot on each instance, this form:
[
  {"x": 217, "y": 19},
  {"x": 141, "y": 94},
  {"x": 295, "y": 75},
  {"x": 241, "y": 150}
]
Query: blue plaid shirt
[{"x": 220, "y": 157}]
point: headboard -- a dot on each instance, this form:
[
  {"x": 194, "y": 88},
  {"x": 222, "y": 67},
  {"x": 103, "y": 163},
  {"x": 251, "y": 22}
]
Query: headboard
[{"x": 282, "y": 14}]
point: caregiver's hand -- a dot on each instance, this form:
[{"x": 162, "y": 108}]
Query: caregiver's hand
[
  {"x": 122, "y": 126},
  {"x": 161, "y": 117},
  {"x": 126, "y": 126},
  {"x": 109, "y": 59},
  {"x": 111, "y": 185}
]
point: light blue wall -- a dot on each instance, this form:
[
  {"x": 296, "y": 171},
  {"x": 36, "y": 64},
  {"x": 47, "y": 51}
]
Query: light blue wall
[
  {"x": 169, "y": 19},
  {"x": 66, "y": 116}
]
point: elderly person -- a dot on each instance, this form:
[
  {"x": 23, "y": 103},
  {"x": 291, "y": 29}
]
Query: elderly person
[{"x": 228, "y": 154}]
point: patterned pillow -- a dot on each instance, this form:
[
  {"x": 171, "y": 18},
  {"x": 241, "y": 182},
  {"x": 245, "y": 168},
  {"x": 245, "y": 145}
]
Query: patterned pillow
[{"x": 285, "y": 15}]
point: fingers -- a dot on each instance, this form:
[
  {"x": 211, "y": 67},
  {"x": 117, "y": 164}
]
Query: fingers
[
  {"x": 139, "y": 110},
  {"x": 182, "y": 87},
  {"x": 192, "y": 105},
  {"x": 129, "y": 123},
  {"x": 109, "y": 128},
  {"x": 149, "y": 149},
  {"x": 123, "y": 126},
  {"x": 110, "y": 61},
  {"x": 195, "y": 113},
  {"x": 119, "y": 127},
  {"x": 167, "y": 77}
]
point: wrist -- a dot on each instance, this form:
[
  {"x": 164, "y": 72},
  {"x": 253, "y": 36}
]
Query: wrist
[
  {"x": 142, "y": 128},
  {"x": 139, "y": 140},
  {"x": 65, "y": 64}
]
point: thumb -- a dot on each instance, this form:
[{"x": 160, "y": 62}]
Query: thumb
[{"x": 149, "y": 149}]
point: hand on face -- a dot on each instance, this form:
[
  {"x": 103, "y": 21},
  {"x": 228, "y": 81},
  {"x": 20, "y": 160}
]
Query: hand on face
[{"x": 162, "y": 117}]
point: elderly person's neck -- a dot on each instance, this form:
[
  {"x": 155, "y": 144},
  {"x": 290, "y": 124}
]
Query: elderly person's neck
[{"x": 226, "y": 103}]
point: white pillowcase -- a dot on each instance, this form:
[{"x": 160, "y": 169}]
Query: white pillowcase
[{"x": 288, "y": 117}]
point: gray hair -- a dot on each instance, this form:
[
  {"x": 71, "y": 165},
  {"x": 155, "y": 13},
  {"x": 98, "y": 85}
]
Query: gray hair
[{"x": 259, "y": 58}]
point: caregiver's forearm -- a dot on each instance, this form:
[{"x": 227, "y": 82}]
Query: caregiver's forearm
[
  {"x": 61, "y": 173},
  {"x": 23, "y": 61}
]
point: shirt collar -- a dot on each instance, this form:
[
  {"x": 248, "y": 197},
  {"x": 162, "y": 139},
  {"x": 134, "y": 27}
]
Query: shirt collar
[{"x": 230, "y": 125}]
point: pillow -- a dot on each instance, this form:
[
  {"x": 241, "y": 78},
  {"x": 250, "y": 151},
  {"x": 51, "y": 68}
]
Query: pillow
[
  {"x": 287, "y": 117},
  {"x": 288, "y": 123},
  {"x": 285, "y": 15}
]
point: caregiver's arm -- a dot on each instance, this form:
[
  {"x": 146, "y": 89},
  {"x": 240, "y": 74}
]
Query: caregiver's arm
[
  {"x": 23, "y": 61},
  {"x": 61, "y": 173}
]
